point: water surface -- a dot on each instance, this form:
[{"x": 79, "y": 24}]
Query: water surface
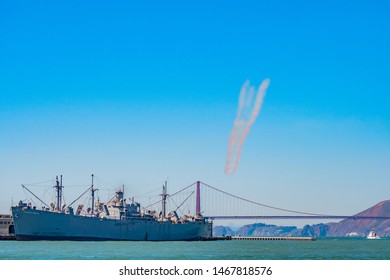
[{"x": 322, "y": 249}]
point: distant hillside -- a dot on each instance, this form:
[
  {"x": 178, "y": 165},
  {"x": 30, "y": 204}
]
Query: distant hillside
[
  {"x": 363, "y": 227},
  {"x": 348, "y": 227},
  {"x": 267, "y": 230},
  {"x": 258, "y": 230},
  {"x": 223, "y": 231}
]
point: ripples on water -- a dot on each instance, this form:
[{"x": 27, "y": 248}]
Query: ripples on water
[{"x": 322, "y": 249}]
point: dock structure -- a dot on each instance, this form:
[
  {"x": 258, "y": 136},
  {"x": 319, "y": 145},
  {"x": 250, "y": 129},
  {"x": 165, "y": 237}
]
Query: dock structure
[
  {"x": 272, "y": 238},
  {"x": 298, "y": 238}
]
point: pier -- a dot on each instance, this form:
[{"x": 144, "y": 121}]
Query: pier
[
  {"x": 266, "y": 238},
  {"x": 272, "y": 238}
]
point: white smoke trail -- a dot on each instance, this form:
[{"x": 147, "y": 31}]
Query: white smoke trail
[{"x": 246, "y": 115}]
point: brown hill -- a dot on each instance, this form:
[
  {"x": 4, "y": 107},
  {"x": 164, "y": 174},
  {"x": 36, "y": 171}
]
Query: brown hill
[{"x": 361, "y": 227}]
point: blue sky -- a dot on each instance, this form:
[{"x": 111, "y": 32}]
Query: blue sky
[{"x": 140, "y": 91}]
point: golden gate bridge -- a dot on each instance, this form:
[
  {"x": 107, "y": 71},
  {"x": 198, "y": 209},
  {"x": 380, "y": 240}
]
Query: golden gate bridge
[{"x": 216, "y": 204}]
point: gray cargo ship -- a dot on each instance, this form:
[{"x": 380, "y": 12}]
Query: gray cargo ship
[{"x": 114, "y": 220}]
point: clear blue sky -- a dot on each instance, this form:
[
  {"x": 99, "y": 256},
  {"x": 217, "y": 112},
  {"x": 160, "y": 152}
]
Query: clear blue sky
[{"x": 139, "y": 91}]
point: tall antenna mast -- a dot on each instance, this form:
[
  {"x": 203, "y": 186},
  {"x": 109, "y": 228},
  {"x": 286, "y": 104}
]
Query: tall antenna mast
[
  {"x": 60, "y": 205},
  {"x": 164, "y": 200},
  {"x": 59, "y": 187},
  {"x": 93, "y": 197}
]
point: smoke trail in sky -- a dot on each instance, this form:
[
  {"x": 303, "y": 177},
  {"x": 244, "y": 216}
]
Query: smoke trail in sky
[{"x": 247, "y": 112}]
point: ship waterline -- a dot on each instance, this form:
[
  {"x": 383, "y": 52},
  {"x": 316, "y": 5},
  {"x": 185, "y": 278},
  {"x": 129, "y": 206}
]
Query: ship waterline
[{"x": 32, "y": 224}]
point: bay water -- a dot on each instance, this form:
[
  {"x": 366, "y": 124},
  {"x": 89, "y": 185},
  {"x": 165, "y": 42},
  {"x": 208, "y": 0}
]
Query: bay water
[{"x": 321, "y": 249}]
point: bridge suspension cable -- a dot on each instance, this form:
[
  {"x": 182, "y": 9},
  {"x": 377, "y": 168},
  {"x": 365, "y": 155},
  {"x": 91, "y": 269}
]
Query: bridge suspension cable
[{"x": 264, "y": 205}]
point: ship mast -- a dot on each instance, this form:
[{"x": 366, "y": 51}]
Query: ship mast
[
  {"x": 164, "y": 200},
  {"x": 93, "y": 197},
  {"x": 59, "y": 187}
]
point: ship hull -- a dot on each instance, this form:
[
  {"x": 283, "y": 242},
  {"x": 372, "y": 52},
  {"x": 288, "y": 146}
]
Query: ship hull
[{"x": 32, "y": 224}]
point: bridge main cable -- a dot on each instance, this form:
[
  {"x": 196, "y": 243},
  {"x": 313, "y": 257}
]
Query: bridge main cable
[{"x": 264, "y": 205}]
